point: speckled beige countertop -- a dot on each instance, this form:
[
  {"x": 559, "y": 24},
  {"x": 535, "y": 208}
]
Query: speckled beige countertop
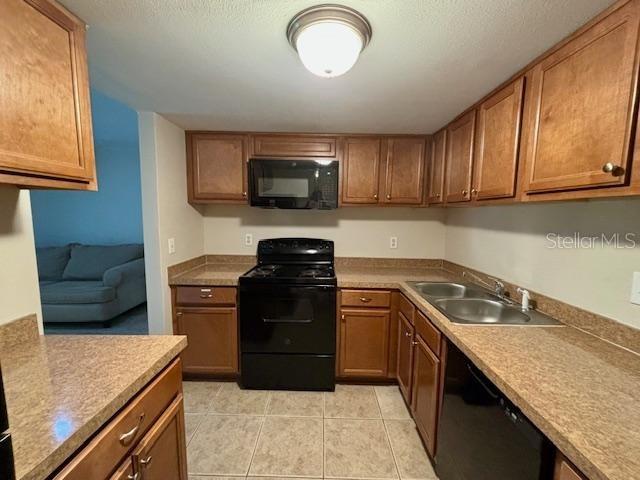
[
  {"x": 581, "y": 391},
  {"x": 61, "y": 389}
]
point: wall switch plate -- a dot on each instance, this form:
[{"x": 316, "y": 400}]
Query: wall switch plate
[
  {"x": 393, "y": 242},
  {"x": 172, "y": 245},
  {"x": 635, "y": 288},
  {"x": 248, "y": 239}
]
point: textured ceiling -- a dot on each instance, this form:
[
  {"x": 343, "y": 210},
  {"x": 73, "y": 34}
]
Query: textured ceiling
[{"x": 226, "y": 64}]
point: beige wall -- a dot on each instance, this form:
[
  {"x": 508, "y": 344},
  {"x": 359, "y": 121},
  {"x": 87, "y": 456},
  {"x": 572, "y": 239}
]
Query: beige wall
[
  {"x": 19, "y": 292},
  {"x": 358, "y": 232},
  {"x": 511, "y": 242},
  {"x": 165, "y": 211}
]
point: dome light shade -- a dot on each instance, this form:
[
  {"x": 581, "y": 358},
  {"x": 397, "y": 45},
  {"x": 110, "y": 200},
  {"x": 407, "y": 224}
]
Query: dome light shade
[{"x": 329, "y": 38}]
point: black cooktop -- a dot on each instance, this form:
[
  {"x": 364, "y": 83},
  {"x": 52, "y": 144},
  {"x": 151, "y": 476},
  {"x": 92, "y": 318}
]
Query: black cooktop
[{"x": 293, "y": 260}]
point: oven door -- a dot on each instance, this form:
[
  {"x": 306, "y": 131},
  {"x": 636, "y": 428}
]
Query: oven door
[
  {"x": 287, "y": 319},
  {"x": 294, "y": 184}
]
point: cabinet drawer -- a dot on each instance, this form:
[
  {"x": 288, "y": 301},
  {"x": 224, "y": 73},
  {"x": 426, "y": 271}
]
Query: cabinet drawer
[
  {"x": 366, "y": 298},
  {"x": 293, "y": 146},
  {"x": 108, "y": 449},
  {"x": 203, "y": 296},
  {"x": 406, "y": 307},
  {"x": 429, "y": 333}
]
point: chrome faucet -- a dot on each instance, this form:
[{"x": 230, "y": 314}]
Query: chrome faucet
[{"x": 498, "y": 287}]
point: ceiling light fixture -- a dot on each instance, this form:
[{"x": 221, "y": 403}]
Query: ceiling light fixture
[{"x": 329, "y": 38}]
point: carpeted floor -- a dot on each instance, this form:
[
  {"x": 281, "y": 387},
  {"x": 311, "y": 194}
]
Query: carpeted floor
[{"x": 133, "y": 322}]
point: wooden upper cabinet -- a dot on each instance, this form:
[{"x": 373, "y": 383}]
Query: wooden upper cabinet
[
  {"x": 275, "y": 145},
  {"x": 217, "y": 167},
  {"x": 436, "y": 167},
  {"x": 46, "y": 138},
  {"x": 404, "y": 170},
  {"x": 580, "y": 113},
  {"x": 460, "y": 136},
  {"x": 361, "y": 170},
  {"x": 497, "y": 143},
  {"x": 364, "y": 343}
]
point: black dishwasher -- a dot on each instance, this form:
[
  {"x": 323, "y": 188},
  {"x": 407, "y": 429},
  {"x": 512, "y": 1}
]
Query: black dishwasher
[{"x": 482, "y": 435}]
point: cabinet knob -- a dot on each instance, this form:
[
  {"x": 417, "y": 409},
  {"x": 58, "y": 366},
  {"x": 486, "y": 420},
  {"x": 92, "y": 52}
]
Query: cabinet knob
[
  {"x": 437, "y": 195},
  {"x": 414, "y": 343},
  {"x": 244, "y": 194},
  {"x": 342, "y": 317},
  {"x": 465, "y": 193},
  {"x": 474, "y": 192},
  {"x": 375, "y": 197},
  {"x": 388, "y": 197},
  {"x": 613, "y": 169},
  {"x": 407, "y": 334}
]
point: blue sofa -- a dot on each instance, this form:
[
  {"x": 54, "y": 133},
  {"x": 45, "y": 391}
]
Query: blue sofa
[{"x": 90, "y": 283}]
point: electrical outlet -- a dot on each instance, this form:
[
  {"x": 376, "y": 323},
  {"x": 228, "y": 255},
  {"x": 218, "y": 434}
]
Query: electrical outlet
[
  {"x": 393, "y": 242},
  {"x": 248, "y": 239},
  {"x": 635, "y": 288},
  {"x": 172, "y": 245}
]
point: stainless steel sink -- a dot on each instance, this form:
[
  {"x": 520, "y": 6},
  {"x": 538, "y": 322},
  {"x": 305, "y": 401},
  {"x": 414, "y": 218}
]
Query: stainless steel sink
[
  {"x": 451, "y": 290},
  {"x": 476, "y": 310},
  {"x": 471, "y": 304}
]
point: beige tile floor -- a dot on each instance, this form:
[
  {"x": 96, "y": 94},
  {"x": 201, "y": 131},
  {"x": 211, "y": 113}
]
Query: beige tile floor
[{"x": 356, "y": 432}]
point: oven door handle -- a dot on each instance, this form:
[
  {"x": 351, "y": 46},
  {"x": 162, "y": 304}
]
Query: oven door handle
[{"x": 288, "y": 320}]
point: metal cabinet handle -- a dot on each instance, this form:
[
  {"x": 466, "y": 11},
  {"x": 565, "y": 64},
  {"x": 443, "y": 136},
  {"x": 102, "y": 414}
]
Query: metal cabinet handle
[
  {"x": 179, "y": 314},
  {"x": 613, "y": 169},
  {"x": 145, "y": 462},
  {"x": 342, "y": 318},
  {"x": 244, "y": 194},
  {"x": 388, "y": 197},
  {"x": 465, "y": 193},
  {"x": 365, "y": 299},
  {"x": 408, "y": 334},
  {"x": 206, "y": 293},
  {"x": 375, "y": 197},
  {"x": 126, "y": 438},
  {"x": 437, "y": 195},
  {"x": 414, "y": 343},
  {"x": 135, "y": 476},
  {"x": 474, "y": 192}
]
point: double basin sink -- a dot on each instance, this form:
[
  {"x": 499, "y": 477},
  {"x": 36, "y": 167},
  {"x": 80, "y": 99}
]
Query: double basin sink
[{"x": 471, "y": 304}]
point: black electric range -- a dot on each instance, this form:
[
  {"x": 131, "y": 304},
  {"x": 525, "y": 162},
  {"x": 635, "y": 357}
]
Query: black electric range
[{"x": 287, "y": 310}]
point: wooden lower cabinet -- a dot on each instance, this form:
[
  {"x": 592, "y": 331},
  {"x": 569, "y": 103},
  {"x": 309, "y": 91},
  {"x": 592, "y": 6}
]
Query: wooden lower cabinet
[
  {"x": 405, "y": 356},
  {"x": 145, "y": 441},
  {"x": 161, "y": 454},
  {"x": 426, "y": 390},
  {"x": 564, "y": 470},
  {"x": 212, "y": 335},
  {"x": 364, "y": 343}
]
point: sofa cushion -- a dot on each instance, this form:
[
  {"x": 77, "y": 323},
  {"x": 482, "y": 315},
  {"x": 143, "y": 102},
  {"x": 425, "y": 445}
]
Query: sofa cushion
[
  {"x": 76, "y": 292},
  {"x": 52, "y": 262},
  {"x": 89, "y": 262}
]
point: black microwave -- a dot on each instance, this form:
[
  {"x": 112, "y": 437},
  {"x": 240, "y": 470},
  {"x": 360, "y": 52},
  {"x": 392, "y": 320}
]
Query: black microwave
[{"x": 293, "y": 183}]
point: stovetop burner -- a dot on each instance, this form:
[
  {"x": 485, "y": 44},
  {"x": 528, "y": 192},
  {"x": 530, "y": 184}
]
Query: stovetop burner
[{"x": 293, "y": 260}]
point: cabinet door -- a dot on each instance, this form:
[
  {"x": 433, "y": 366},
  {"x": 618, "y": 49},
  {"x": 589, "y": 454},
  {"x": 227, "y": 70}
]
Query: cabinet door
[
  {"x": 124, "y": 472},
  {"x": 294, "y": 146},
  {"x": 497, "y": 143},
  {"x": 436, "y": 167},
  {"x": 212, "y": 334},
  {"x": 360, "y": 170},
  {"x": 564, "y": 470},
  {"x": 404, "y": 171},
  {"x": 45, "y": 118},
  {"x": 426, "y": 379},
  {"x": 580, "y": 108},
  {"x": 162, "y": 454},
  {"x": 460, "y": 135},
  {"x": 405, "y": 356},
  {"x": 364, "y": 343},
  {"x": 217, "y": 167}
]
